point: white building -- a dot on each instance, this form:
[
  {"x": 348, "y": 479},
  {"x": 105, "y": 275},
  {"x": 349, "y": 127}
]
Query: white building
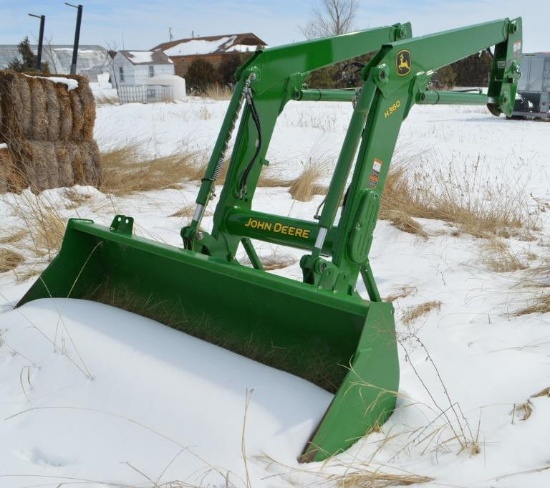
[{"x": 146, "y": 76}]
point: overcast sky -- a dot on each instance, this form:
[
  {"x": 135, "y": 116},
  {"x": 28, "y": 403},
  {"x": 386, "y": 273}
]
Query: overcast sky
[{"x": 139, "y": 24}]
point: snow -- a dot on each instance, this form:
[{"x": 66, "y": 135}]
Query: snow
[
  {"x": 197, "y": 46},
  {"x": 70, "y": 83},
  {"x": 141, "y": 57},
  {"x": 99, "y": 397}
]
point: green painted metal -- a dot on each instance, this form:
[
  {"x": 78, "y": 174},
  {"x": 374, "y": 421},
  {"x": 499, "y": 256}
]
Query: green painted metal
[
  {"x": 432, "y": 97},
  {"x": 318, "y": 328}
]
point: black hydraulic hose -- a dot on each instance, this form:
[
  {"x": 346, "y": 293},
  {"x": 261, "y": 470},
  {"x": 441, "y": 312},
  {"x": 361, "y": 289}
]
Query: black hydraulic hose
[{"x": 256, "y": 119}]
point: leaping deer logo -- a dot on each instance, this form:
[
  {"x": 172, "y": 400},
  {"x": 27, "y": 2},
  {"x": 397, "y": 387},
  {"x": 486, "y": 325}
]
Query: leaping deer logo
[{"x": 403, "y": 62}]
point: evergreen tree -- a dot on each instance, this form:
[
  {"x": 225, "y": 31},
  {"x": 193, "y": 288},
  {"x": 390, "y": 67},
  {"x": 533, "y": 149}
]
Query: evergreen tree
[{"x": 27, "y": 63}]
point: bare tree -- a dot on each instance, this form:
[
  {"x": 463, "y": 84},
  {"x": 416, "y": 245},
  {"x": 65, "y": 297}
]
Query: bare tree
[{"x": 331, "y": 18}]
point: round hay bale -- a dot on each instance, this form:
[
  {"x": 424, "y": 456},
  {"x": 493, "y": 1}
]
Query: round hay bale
[
  {"x": 77, "y": 164},
  {"x": 66, "y": 113},
  {"x": 42, "y": 164},
  {"x": 15, "y": 109},
  {"x": 53, "y": 110},
  {"x": 66, "y": 177},
  {"x": 87, "y": 101},
  {"x": 5, "y": 166},
  {"x": 78, "y": 116},
  {"x": 25, "y": 95},
  {"x": 39, "y": 110},
  {"x": 92, "y": 162},
  {"x": 2, "y": 129},
  {"x": 21, "y": 173},
  {"x": 49, "y": 163}
]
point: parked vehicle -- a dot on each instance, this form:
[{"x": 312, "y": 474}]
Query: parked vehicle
[{"x": 533, "y": 96}]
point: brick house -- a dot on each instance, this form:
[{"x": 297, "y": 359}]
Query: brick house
[{"x": 213, "y": 49}]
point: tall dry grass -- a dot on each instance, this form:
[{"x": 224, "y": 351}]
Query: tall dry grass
[
  {"x": 306, "y": 185},
  {"x": 217, "y": 92},
  {"x": 474, "y": 206},
  {"x": 497, "y": 256},
  {"x": 126, "y": 172},
  {"x": 534, "y": 290},
  {"x": 43, "y": 222},
  {"x": 414, "y": 313},
  {"x": 9, "y": 259}
]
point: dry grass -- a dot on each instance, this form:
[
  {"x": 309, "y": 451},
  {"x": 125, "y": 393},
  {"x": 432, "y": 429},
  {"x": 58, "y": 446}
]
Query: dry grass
[
  {"x": 125, "y": 172},
  {"x": 404, "y": 222},
  {"x": 43, "y": 222},
  {"x": 498, "y": 257},
  {"x": 278, "y": 261},
  {"x": 535, "y": 281},
  {"x": 477, "y": 207},
  {"x": 273, "y": 261},
  {"x": 16, "y": 236},
  {"x": 522, "y": 411},
  {"x": 217, "y": 92},
  {"x": 538, "y": 304},
  {"x": 9, "y": 260},
  {"x": 545, "y": 392},
  {"x": 185, "y": 212},
  {"x": 403, "y": 292},
  {"x": 366, "y": 478},
  {"x": 307, "y": 184},
  {"x": 414, "y": 313},
  {"x": 270, "y": 182}
]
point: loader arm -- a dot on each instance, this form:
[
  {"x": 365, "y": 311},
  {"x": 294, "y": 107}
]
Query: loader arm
[
  {"x": 395, "y": 80},
  {"x": 265, "y": 84}
]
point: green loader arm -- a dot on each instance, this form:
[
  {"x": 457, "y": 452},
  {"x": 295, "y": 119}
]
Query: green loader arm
[
  {"x": 395, "y": 80},
  {"x": 267, "y": 82}
]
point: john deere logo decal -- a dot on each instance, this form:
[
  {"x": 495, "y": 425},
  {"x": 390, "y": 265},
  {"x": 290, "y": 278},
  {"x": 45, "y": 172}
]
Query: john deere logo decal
[{"x": 403, "y": 62}]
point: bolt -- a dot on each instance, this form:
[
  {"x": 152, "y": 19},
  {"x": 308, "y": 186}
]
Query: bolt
[{"x": 383, "y": 73}]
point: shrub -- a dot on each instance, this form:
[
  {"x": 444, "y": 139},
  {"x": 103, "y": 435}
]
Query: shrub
[{"x": 200, "y": 75}]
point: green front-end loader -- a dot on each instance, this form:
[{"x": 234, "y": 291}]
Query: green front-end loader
[{"x": 318, "y": 328}]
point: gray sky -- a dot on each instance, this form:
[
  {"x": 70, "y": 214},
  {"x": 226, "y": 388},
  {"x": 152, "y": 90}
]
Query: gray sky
[{"x": 139, "y": 24}]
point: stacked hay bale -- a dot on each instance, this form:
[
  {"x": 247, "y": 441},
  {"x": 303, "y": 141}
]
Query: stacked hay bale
[{"x": 46, "y": 133}]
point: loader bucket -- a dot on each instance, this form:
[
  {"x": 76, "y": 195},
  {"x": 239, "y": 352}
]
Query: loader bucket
[{"x": 343, "y": 344}]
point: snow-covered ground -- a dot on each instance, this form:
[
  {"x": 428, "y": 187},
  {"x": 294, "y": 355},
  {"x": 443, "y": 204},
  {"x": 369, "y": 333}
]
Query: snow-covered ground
[{"x": 97, "y": 397}]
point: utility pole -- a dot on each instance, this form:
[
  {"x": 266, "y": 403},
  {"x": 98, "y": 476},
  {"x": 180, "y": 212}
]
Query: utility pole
[
  {"x": 76, "y": 36},
  {"x": 40, "y": 40}
]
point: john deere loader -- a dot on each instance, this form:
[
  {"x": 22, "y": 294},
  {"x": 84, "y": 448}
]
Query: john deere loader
[{"x": 319, "y": 327}]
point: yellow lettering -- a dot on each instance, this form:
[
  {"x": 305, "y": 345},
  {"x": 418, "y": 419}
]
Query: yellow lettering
[
  {"x": 278, "y": 227},
  {"x": 392, "y": 109},
  {"x": 259, "y": 224}
]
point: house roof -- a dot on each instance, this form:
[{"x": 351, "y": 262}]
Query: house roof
[
  {"x": 211, "y": 45},
  {"x": 146, "y": 57}
]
